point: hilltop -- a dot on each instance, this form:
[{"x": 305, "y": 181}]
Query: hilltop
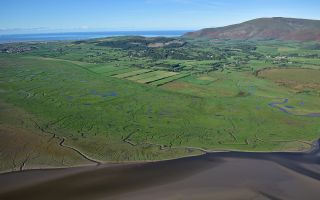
[{"x": 277, "y": 28}]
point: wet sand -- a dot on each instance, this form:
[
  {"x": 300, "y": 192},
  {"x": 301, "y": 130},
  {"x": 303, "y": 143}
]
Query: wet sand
[{"x": 224, "y": 175}]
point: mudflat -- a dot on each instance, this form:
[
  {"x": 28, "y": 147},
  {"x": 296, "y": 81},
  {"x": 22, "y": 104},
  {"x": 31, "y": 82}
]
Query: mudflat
[{"x": 221, "y": 175}]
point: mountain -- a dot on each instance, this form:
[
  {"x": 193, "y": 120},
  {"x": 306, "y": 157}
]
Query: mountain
[{"x": 277, "y": 28}]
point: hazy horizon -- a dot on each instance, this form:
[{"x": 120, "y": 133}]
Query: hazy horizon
[{"x": 36, "y": 16}]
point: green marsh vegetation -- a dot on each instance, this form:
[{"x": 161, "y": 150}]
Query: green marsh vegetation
[{"x": 136, "y": 99}]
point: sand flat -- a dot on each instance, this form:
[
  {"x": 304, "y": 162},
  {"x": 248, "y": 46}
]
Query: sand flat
[{"x": 224, "y": 175}]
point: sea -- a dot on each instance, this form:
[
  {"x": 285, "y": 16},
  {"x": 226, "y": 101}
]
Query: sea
[{"x": 85, "y": 35}]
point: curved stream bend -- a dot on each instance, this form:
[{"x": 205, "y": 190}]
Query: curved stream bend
[{"x": 286, "y": 100}]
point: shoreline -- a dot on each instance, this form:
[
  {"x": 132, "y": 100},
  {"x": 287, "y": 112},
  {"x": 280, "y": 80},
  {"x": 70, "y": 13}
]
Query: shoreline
[
  {"x": 314, "y": 146},
  {"x": 203, "y": 176},
  {"x": 220, "y": 175}
]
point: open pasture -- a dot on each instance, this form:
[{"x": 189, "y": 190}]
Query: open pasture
[
  {"x": 105, "y": 69},
  {"x": 132, "y": 73},
  {"x": 151, "y": 76},
  {"x": 169, "y": 79},
  {"x": 157, "y": 76},
  {"x": 120, "y": 71},
  {"x": 296, "y": 78},
  {"x": 143, "y": 76}
]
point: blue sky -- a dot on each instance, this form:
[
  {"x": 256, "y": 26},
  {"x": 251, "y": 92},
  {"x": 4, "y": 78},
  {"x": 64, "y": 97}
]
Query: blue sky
[{"x": 81, "y": 15}]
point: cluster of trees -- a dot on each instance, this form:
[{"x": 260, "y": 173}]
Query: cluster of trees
[
  {"x": 141, "y": 43},
  {"x": 179, "y": 49},
  {"x": 177, "y": 54},
  {"x": 10, "y": 49},
  {"x": 313, "y": 46}
]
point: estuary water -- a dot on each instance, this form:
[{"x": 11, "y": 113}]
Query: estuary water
[{"x": 85, "y": 35}]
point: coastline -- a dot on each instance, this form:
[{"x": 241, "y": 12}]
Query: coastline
[
  {"x": 75, "y": 36},
  {"x": 210, "y": 174},
  {"x": 314, "y": 146}
]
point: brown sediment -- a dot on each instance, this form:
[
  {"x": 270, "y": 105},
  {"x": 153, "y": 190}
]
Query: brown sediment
[{"x": 221, "y": 175}]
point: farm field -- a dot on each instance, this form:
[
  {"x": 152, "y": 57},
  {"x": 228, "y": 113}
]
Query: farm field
[
  {"x": 302, "y": 76},
  {"x": 93, "y": 101},
  {"x": 168, "y": 79},
  {"x": 157, "y": 76},
  {"x": 132, "y": 73}
]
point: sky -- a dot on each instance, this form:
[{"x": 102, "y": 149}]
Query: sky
[{"x": 22, "y": 16}]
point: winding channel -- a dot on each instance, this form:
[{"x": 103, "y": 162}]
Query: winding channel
[
  {"x": 282, "y": 109},
  {"x": 79, "y": 152},
  {"x": 62, "y": 144}
]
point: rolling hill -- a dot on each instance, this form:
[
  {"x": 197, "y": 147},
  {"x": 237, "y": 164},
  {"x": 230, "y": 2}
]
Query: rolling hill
[{"x": 277, "y": 28}]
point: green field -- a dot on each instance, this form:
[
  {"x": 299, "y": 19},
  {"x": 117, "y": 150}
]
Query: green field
[
  {"x": 132, "y": 73},
  {"x": 208, "y": 97},
  {"x": 157, "y": 76},
  {"x": 168, "y": 79},
  {"x": 105, "y": 69}
]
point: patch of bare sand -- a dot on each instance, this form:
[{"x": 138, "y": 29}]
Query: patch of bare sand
[
  {"x": 236, "y": 179},
  {"x": 202, "y": 178}
]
